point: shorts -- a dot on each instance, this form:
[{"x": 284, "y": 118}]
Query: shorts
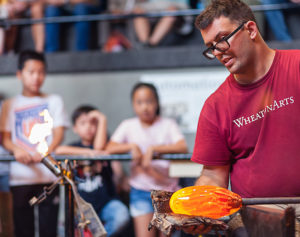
[{"x": 140, "y": 202}]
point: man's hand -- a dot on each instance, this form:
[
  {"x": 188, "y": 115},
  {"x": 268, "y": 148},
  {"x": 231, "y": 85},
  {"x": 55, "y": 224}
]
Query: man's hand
[
  {"x": 22, "y": 156},
  {"x": 295, "y": 1}
]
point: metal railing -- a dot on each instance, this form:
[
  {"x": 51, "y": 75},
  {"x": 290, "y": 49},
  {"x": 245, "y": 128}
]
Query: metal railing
[
  {"x": 110, "y": 17},
  {"x": 113, "y": 157}
]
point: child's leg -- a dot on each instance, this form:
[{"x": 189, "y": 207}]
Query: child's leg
[
  {"x": 38, "y": 30},
  {"x": 141, "y": 210},
  {"x": 162, "y": 28},
  {"x": 2, "y": 40},
  {"x": 53, "y": 29},
  {"x": 141, "y": 226},
  {"x": 22, "y": 211},
  {"x": 83, "y": 28},
  {"x": 141, "y": 26}
]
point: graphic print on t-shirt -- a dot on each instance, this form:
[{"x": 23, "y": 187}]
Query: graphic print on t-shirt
[
  {"x": 275, "y": 105},
  {"x": 25, "y": 119}
]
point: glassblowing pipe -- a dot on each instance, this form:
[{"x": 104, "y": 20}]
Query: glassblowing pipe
[
  {"x": 216, "y": 202},
  {"x": 270, "y": 200},
  {"x": 51, "y": 164}
]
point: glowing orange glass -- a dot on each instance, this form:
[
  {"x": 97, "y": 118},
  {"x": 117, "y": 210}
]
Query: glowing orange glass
[{"x": 207, "y": 201}]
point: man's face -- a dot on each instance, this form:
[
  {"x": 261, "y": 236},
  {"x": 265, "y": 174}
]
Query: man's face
[
  {"x": 234, "y": 59},
  {"x": 32, "y": 76}
]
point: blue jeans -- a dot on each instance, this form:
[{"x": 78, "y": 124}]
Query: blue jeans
[
  {"x": 82, "y": 28},
  {"x": 115, "y": 216},
  {"x": 4, "y": 183},
  {"x": 277, "y": 22}
]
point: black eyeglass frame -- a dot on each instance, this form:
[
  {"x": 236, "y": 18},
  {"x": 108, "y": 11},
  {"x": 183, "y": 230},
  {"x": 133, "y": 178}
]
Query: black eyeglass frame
[{"x": 226, "y": 38}]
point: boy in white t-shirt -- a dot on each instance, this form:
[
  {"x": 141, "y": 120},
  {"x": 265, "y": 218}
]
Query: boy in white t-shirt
[{"x": 27, "y": 175}]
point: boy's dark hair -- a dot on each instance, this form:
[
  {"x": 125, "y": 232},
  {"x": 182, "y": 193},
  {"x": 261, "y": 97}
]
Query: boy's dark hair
[
  {"x": 30, "y": 55},
  {"x": 235, "y": 10},
  {"x": 152, "y": 88},
  {"x": 83, "y": 109}
]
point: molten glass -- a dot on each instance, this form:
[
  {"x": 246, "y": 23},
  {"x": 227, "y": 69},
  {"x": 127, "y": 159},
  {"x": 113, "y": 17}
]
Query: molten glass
[{"x": 208, "y": 201}]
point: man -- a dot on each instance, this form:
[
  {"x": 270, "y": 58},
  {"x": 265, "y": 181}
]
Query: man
[{"x": 249, "y": 127}]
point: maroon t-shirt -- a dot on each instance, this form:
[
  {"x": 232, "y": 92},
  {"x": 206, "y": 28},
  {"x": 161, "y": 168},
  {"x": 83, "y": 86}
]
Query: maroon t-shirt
[{"x": 256, "y": 129}]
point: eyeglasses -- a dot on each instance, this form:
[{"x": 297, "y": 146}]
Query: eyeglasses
[{"x": 222, "y": 45}]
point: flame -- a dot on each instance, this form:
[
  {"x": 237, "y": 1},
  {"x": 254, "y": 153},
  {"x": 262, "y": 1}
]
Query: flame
[{"x": 40, "y": 131}]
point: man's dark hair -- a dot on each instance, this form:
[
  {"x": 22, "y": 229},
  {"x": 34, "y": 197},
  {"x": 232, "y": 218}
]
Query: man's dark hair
[
  {"x": 30, "y": 55},
  {"x": 235, "y": 10},
  {"x": 152, "y": 88},
  {"x": 83, "y": 109}
]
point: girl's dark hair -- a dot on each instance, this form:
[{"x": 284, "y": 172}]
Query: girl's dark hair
[
  {"x": 30, "y": 55},
  {"x": 83, "y": 109},
  {"x": 235, "y": 10},
  {"x": 149, "y": 86}
]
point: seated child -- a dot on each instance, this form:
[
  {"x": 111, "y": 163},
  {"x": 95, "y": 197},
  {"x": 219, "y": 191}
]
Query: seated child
[
  {"x": 97, "y": 186},
  {"x": 144, "y": 136}
]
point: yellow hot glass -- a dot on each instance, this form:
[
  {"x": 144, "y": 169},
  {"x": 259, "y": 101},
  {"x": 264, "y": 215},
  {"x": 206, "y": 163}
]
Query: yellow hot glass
[{"x": 207, "y": 201}]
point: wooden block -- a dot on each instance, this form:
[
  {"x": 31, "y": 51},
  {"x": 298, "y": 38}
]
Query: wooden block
[{"x": 185, "y": 169}]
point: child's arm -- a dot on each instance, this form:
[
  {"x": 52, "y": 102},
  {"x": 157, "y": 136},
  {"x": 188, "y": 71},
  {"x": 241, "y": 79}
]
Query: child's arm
[
  {"x": 20, "y": 155},
  {"x": 178, "y": 147},
  {"x": 74, "y": 150},
  {"x": 58, "y": 136},
  {"x": 119, "y": 148},
  {"x": 119, "y": 177},
  {"x": 101, "y": 134}
]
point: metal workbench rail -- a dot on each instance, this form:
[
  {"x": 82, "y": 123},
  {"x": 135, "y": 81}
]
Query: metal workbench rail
[
  {"x": 110, "y": 17},
  {"x": 112, "y": 157}
]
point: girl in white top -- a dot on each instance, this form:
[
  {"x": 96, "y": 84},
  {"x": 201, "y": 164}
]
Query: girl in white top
[{"x": 144, "y": 136}]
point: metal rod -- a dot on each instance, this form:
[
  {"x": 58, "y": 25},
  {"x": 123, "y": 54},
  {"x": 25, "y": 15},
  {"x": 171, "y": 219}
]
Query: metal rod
[
  {"x": 120, "y": 157},
  {"x": 270, "y": 200},
  {"x": 109, "y": 17},
  {"x": 69, "y": 210}
]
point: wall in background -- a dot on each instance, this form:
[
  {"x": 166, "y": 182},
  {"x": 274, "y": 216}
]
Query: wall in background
[{"x": 109, "y": 92}]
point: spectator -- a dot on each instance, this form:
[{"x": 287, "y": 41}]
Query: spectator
[
  {"x": 97, "y": 184},
  {"x": 28, "y": 176},
  {"x": 56, "y": 8},
  {"x": 4, "y": 166},
  {"x": 113, "y": 34},
  {"x": 13, "y": 9},
  {"x": 162, "y": 27},
  {"x": 277, "y": 22},
  {"x": 144, "y": 136}
]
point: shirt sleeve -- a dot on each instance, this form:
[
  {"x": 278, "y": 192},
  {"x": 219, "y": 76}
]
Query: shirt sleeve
[
  {"x": 60, "y": 118},
  {"x": 175, "y": 133},
  {"x": 210, "y": 145},
  {"x": 119, "y": 136}
]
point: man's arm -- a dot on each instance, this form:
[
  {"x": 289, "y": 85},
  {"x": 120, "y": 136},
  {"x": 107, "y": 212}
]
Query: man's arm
[{"x": 214, "y": 175}]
